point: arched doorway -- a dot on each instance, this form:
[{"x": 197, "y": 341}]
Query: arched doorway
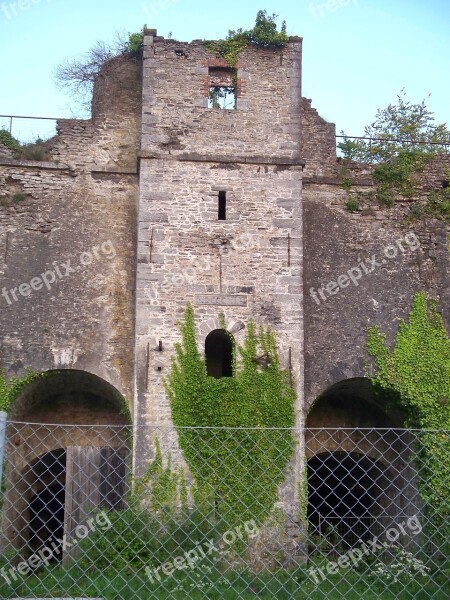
[
  {"x": 67, "y": 452},
  {"x": 219, "y": 354},
  {"x": 360, "y": 475}
]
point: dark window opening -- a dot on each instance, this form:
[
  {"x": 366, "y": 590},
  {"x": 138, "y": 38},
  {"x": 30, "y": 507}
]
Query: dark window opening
[
  {"x": 222, "y": 206},
  {"x": 219, "y": 354}
]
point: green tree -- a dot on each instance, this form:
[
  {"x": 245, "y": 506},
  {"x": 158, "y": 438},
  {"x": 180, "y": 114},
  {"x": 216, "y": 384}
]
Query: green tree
[{"x": 394, "y": 128}]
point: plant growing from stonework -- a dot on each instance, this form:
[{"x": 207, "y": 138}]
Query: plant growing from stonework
[
  {"x": 11, "y": 388},
  {"x": 264, "y": 34},
  {"x": 415, "y": 377},
  {"x": 239, "y": 457}
]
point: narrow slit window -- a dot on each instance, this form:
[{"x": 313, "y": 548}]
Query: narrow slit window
[{"x": 222, "y": 206}]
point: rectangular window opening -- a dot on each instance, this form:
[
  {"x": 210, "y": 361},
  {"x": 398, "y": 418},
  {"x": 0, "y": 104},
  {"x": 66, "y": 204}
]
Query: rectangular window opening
[
  {"x": 222, "y": 96},
  {"x": 222, "y": 88},
  {"x": 222, "y": 206}
]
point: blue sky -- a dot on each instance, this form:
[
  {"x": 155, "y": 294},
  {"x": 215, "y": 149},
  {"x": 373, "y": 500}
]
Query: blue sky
[{"x": 357, "y": 54}]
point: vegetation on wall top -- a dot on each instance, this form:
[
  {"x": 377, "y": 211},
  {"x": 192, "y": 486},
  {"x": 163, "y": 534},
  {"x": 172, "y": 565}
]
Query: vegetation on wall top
[
  {"x": 35, "y": 151},
  {"x": 77, "y": 76},
  {"x": 264, "y": 34},
  {"x": 404, "y": 138}
]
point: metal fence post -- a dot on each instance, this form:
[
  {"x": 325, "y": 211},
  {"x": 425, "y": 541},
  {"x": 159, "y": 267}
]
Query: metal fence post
[{"x": 3, "y": 417}]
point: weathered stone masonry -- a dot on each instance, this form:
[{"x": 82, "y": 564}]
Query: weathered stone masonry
[
  {"x": 187, "y": 154},
  {"x": 190, "y": 153},
  {"x": 146, "y": 174}
]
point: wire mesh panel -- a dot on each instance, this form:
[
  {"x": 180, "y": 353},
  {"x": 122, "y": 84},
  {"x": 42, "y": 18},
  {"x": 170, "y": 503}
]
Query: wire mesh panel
[{"x": 224, "y": 513}]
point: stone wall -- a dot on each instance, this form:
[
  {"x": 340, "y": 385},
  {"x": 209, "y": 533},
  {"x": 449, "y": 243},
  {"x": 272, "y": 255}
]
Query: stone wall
[
  {"x": 400, "y": 258},
  {"x": 247, "y": 266},
  {"x": 83, "y": 201},
  {"x": 318, "y": 143},
  {"x": 176, "y": 121}
]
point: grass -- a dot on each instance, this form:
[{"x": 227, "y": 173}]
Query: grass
[{"x": 207, "y": 581}]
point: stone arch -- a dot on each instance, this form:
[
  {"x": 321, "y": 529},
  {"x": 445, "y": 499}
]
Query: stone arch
[
  {"x": 348, "y": 431},
  {"x": 70, "y": 397},
  {"x": 234, "y": 327},
  {"x": 67, "y": 442}
]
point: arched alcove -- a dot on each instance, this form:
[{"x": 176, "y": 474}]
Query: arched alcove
[
  {"x": 361, "y": 477},
  {"x": 67, "y": 453},
  {"x": 219, "y": 354},
  {"x": 70, "y": 397},
  {"x": 350, "y": 403}
]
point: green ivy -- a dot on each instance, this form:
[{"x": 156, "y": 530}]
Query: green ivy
[
  {"x": 264, "y": 34},
  {"x": 239, "y": 469},
  {"x": 11, "y": 388},
  {"x": 162, "y": 488},
  {"x": 415, "y": 377}
]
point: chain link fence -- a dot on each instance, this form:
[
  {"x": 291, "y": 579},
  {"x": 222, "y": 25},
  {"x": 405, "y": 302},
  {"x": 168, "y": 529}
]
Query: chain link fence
[{"x": 224, "y": 513}]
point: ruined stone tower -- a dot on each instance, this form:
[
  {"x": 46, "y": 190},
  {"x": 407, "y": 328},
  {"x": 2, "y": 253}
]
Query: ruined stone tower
[{"x": 219, "y": 206}]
